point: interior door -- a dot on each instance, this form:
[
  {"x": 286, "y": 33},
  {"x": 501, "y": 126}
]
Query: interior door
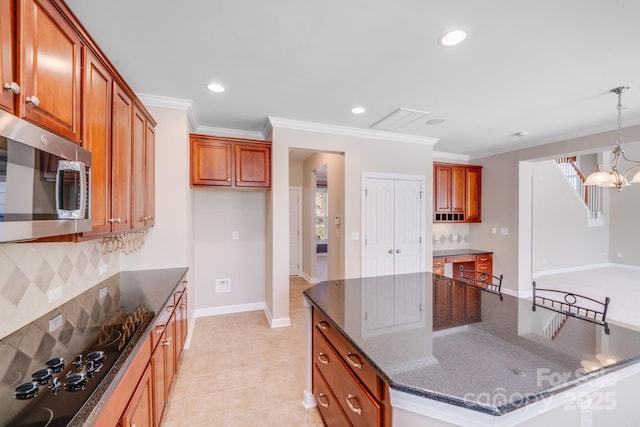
[
  {"x": 379, "y": 227},
  {"x": 407, "y": 233},
  {"x": 294, "y": 231}
]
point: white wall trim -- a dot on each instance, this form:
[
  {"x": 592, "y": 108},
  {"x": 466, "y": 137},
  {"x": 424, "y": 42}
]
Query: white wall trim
[
  {"x": 309, "y": 279},
  {"x": 298, "y": 190},
  {"x": 275, "y": 122},
  {"x": 171, "y": 103},
  {"x": 441, "y": 155},
  {"x": 192, "y": 325},
  {"x": 233, "y": 133},
  {"x": 467, "y": 417},
  {"x": 276, "y": 323},
  {"x": 228, "y": 309}
]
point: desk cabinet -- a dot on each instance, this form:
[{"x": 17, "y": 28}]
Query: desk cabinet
[
  {"x": 455, "y": 305},
  {"x": 457, "y": 193}
]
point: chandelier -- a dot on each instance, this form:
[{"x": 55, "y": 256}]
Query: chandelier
[{"x": 614, "y": 178}]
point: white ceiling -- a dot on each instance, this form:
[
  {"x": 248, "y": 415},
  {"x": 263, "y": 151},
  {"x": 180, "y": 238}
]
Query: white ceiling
[{"x": 541, "y": 66}]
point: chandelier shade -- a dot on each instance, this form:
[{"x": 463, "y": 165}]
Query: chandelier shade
[{"x": 614, "y": 178}]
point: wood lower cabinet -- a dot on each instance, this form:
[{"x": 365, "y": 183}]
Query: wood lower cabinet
[
  {"x": 139, "y": 412},
  {"x": 455, "y": 305},
  {"x": 347, "y": 389},
  {"x": 230, "y": 162},
  {"x": 50, "y": 69}
]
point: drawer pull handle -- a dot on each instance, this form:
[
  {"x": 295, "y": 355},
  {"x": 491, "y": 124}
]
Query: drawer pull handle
[
  {"x": 324, "y": 404},
  {"x": 354, "y": 360},
  {"x": 160, "y": 329},
  {"x": 167, "y": 341},
  {"x": 323, "y": 358},
  {"x": 323, "y": 325},
  {"x": 353, "y": 408}
]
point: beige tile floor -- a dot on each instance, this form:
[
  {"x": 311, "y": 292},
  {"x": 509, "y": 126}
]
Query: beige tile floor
[{"x": 240, "y": 372}]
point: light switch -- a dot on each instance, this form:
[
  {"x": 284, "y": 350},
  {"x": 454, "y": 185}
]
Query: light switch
[
  {"x": 355, "y": 235},
  {"x": 504, "y": 231}
]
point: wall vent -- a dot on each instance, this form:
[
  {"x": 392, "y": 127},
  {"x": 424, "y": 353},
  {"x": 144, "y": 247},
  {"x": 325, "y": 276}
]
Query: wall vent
[{"x": 398, "y": 119}]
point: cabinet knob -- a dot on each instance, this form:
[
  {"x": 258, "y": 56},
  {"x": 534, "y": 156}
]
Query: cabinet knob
[
  {"x": 167, "y": 341},
  {"x": 228, "y": 179},
  {"x": 398, "y": 251},
  {"x": 13, "y": 87},
  {"x": 112, "y": 220},
  {"x": 33, "y": 100},
  {"x": 390, "y": 251},
  {"x": 237, "y": 179}
]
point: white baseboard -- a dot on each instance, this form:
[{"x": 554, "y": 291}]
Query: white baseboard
[
  {"x": 308, "y": 400},
  {"x": 312, "y": 280},
  {"x": 280, "y": 322},
  {"x": 570, "y": 269},
  {"x": 228, "y": 309}
]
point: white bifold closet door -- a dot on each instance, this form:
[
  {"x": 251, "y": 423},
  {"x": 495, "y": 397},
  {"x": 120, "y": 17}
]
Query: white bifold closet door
[{"x": 392, "y": 226}]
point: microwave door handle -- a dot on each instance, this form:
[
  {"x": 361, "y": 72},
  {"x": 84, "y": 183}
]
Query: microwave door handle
[
  {"x": 83, "y": 189},
  {"x": 59, "y": 186}
]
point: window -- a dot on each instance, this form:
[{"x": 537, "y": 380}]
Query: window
[{"x": 322, "y": 214}]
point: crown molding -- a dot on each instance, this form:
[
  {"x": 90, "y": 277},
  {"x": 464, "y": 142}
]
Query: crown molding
[
  {"x": 442, "y": 155},
  {"x": 273, "y": 122},
  {"x": 172, "y": 103},
  {"x": 233, "y": 133}
]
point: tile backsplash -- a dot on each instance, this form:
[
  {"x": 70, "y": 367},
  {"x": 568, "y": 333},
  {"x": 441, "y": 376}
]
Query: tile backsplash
[
  {"x": 29, "y": 271},
  {"x": 450, "y": 236}
]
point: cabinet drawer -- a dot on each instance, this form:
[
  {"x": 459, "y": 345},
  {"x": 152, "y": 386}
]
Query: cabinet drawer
[
  {"x": 459, "y": 259},
  {"x": 361, "y": 408},
  {"x": 352, "y": 357},
  {"x": 484, "y": 258},
  {"x": 438, "y": 262},
  {"x": 328, "y": 405},
  {"x": 484, "y": 267}
]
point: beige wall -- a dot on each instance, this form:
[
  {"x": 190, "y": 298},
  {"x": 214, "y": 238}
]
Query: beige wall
[
  {"x": 295, "y": 173},
  {"x": 503, "y": 185}
]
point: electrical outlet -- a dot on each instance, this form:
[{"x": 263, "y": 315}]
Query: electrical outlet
[
  {"x": 55, "y": 294},
  {"x": 223, "y": 285},
  {"x": 102, "y": 270},
  {"x": 55, "y": 322},
  {"x": 355, "y": 235},
  {"x": 103, "y": 292},
  {"x": 234, "y": 235}
]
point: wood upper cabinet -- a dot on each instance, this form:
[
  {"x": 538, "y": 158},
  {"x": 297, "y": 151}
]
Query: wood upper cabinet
[
  {"x": 253, "y": 165},
  {"x": 7, "y": 78},
  {"x": 457, "y": 191},
  {"x": 150, "y": 175},
  {"x": 138, "y": 172},
  {"x": 121, "y": 143},
  {"x": 97, "y": 139},
  {"x": 50, "y": 69},
  {"x": 230, "y": 162}
]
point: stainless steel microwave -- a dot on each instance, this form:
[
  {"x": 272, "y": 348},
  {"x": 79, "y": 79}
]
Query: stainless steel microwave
[{"x": 45, "y": 182}]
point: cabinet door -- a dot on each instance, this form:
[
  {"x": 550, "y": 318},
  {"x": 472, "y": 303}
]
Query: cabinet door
[
  {"x": 253, "y": 165},
  {"x": 442, "y": 304},
  {"x": 181, "y": 325},
  {"x": 139, "y": 412},
  {"x": 98, "y": 85},
  {"x": 6, "y": 54},
  {"x": 473, "y": 183},
  {"x": 442, "y": 188},
  {"x": 138, "y": 173},
  {"x": 150, "y": 175},
  {"x": 170, "y": 344},
  {"x": 211, "y": 162},
  {"x": 51, "y": 69},
  {"x": 458, "y": 189},
  {"x": 158, "y": 367},
  {"x": 121, "y": 161}
]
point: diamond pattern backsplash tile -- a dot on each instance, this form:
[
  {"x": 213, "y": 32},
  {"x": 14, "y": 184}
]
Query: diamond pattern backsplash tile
[
  {"x": 450, "y": 236},
  {"x": 29, "y": 271}
]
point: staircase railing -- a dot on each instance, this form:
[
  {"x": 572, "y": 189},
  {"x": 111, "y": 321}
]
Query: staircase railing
[
  {"x": 591, "y": 195},
  {"x": 553, "y": 326}
]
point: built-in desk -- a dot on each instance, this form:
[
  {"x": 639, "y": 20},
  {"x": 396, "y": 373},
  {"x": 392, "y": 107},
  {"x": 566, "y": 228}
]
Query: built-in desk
[{"x": 498, "y": 371}]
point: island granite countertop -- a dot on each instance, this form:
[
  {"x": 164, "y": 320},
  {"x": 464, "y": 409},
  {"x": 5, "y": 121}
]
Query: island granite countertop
[
  {"x": 494, "y": 366},
  {"x": 83, "y": 321}
]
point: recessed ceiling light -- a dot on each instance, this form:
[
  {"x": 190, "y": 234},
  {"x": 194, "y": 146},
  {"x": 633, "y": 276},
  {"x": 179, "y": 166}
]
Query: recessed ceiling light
[
  {"x": 215, "y": 87},
  {"x": 434, "y": 122},
  {"x": 452, "y": 38},
  {"x": 358, "y": 110}
]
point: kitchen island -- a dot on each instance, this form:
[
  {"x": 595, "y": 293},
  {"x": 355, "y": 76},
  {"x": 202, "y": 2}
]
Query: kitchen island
[{"x": 500, "y": 371}]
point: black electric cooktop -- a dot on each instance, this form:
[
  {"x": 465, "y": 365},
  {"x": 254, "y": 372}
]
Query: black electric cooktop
[{"x": 51, "y": 367}]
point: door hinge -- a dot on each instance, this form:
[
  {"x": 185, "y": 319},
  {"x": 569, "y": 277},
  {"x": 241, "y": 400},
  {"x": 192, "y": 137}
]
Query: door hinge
[
  {"x": 420, "y": 239},
  {"x": 421, "y": 194},
  {"x": 366, "y": 192},
  {"x": 366, "y": 242}
]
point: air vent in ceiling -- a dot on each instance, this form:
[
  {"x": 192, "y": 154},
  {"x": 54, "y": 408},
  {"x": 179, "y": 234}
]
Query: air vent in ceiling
[{"x": 398, "y": 119}]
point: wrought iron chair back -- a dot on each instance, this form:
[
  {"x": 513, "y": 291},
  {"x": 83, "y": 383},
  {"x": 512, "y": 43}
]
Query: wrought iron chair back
[{"x": 484, "y": 281}]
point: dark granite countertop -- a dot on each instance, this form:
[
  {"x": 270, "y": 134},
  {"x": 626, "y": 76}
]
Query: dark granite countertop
[
  {"x": 82, "y": 321},
  {"x": 494, "y": 366},
  {"x": 459, "y": 252}
]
